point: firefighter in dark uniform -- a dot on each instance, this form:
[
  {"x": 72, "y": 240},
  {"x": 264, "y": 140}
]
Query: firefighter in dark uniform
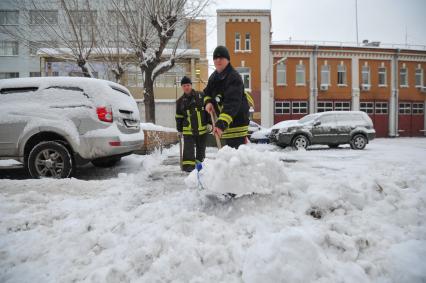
[
  {"x": 191, "y": 121},
  {"x": 225, "y": 95}
]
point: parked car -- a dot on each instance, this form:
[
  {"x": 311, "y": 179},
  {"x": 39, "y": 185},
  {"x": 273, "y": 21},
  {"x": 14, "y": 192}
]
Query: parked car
[
  {"x": 52, "y": 125},
  {"x": 262, "y": 136},
  {"x": 253, "y": 127},
  {"x": 330, "y": 128}
]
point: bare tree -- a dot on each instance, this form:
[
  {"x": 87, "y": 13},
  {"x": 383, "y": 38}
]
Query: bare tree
[
  {"x": 151, "y": 26},
  {"x": 65, "y": 29}
]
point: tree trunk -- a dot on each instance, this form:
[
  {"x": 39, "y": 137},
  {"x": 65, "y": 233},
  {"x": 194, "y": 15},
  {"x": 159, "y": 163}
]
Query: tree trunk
[
  {"x": 82, "y": 64},
  {"x": 149, "y": 98}
]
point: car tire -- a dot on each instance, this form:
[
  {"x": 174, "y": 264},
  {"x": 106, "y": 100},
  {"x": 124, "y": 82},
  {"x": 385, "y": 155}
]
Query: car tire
[
  {"x": 300, "y": 141},
  {"x": 50, "y": 159},
  {"x": 105, "y": 162},
  {"x": 333, "y": 145},
  {"x": 358, "y": 142}
]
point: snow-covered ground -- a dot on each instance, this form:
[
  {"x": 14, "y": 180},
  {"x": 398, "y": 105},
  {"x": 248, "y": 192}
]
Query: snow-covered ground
[{"x": 318, "y": 216}]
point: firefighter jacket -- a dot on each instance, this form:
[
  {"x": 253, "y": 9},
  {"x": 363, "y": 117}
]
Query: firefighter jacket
[
  {"x": 225, "y": 91},
  {"x": 191, "y": 119}
]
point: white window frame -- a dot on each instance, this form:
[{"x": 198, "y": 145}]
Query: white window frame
[
  {"x": 403, "y": 72},
  {"x": 325, "y": 75},
  {"x": 237, "y": 41},
  {"x": 341, "y": 68},
  {"x": 247, "y": 41},
  {"x": 9, "y": 17},
  {"x": 342, "y": 106},
  {"x": 367, "y": 107},
  {"x": 281, "y": 74},
  {"x": 300, "y": 71},
  {"x": 44, "y": 17},
  {"x": 8, "y": 75},
  {"x": 283, "y": 106},
  {"x": 382, "y": 72},
  {"x": 381, "y": 108},
  {"x": 245, "y": 73},
  {"x": 323, "y": 106},
  {"x": 419, "y": 75},
  {"x": 7, "y": 45},
  {"x": 365, "y": 75},
  {"x": 404, "y": 108},
  {"x": 299, "y": 107},
  {"x": 417, "y": 108}
]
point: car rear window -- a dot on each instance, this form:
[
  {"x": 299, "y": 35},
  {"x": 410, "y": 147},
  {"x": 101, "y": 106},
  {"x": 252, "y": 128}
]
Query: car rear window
[
  {"x": 120, "y": 90},
  {"x": 18, "y": 90}
]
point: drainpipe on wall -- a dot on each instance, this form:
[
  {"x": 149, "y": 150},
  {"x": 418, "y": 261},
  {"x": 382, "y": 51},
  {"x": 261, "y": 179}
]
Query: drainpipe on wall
[
  {"x": 314, "y": 82},
  {"x": 355, "y": 83},
  {"x": 393, "y": 103}
]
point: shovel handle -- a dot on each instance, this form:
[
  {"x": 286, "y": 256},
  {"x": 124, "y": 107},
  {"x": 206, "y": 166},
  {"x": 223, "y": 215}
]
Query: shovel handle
[{"x": 214, "y": 118}]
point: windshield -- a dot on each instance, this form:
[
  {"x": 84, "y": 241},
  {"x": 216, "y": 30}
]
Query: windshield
[{"x": 308, "y": 118}]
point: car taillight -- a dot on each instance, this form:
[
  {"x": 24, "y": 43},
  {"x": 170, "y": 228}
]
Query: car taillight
[{"x": 104, "y": 114}]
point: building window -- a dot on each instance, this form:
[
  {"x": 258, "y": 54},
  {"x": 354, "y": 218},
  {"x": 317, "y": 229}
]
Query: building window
[
  {"x": 381, "y": 108},
  {"x": 282, "y": 107},
  {"x": 8, "y": 48},
  {"x": 237, "y": 41},
  {"x": 299, "y": 107},
  {"x": 84, "y": 17},
  {"x": 341, "y": 74},
  {"x": 365, "y": 75},
  {"x": 5, "y": 75},
  {"x": 403, "y": 77},
  {"x": 419, "y": 77},
  {"x": 342, "y": 106},
  {"x": 43, "y": 17},
  {"x": 323, "y": 106},
  {"x": 245, "y": 76},
  {"x": 382, "y": 76},
  {"x": 35, "y": 74},
  {"x": 9, "y": 17},
  {"x": 300, "y": 74},
  {"x": 325, "y": 75},
  {"x": 405, "y": 108},
  {"x": 418, "y": 108},
  {"x": 367, "y": 107},
  {"x": 281, "y": 74},
  {"x": 56, "y": 74},
  {"x": 248, "y": 45}
]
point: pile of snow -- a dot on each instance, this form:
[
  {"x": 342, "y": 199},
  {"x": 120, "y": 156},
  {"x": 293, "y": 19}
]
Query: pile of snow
[
  {"x": 242, "y": 171},
  {"x": 341, "y": 215}
]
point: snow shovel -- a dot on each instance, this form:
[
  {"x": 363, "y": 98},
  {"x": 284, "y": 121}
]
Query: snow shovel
[
  {"x": 180, "y": 151},
  {"x": 214, "y": 118}
]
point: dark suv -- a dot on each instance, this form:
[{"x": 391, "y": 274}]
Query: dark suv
[{"x": 330, "y": 128}]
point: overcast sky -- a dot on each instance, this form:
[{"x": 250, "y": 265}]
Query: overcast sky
[{"x": 387, "y": 21}]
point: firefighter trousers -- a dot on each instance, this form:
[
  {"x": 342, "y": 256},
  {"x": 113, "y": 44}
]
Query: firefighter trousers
[{"x": 194, "y": 148}]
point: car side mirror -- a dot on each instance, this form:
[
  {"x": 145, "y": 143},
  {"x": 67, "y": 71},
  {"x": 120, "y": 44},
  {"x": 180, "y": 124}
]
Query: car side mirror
[{"x": 317, "y": 123}]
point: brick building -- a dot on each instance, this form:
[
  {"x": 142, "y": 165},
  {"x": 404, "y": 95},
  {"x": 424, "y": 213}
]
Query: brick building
[{"x": 291, "y": 80}]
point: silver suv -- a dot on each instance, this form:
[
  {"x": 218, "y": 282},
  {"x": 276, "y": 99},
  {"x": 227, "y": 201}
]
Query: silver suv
[
  {"x": 330, "y": 128},
  {"x": 51, "y": 125}
]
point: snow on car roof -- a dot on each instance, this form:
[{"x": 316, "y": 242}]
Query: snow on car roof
[{"x": 42, "y": 82}]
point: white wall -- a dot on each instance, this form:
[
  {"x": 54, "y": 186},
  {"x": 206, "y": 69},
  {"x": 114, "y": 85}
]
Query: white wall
[{"x": 165, "y": 111}]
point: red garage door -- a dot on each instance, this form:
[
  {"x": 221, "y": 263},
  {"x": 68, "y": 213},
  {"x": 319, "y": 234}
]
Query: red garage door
[
  {"x": 290, "y": 110},
  {"x": 379, "y": 114},
  {"x": 411, "y": 119}
]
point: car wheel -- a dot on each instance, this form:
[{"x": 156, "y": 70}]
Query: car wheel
[
  {"x": 300, "y": 141},
  {"x": 50, "y": 159},
  {"x": 333, "y": 145},
  {"x": 106, "y": 161},
  {"x": 358, "y": 142}
]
